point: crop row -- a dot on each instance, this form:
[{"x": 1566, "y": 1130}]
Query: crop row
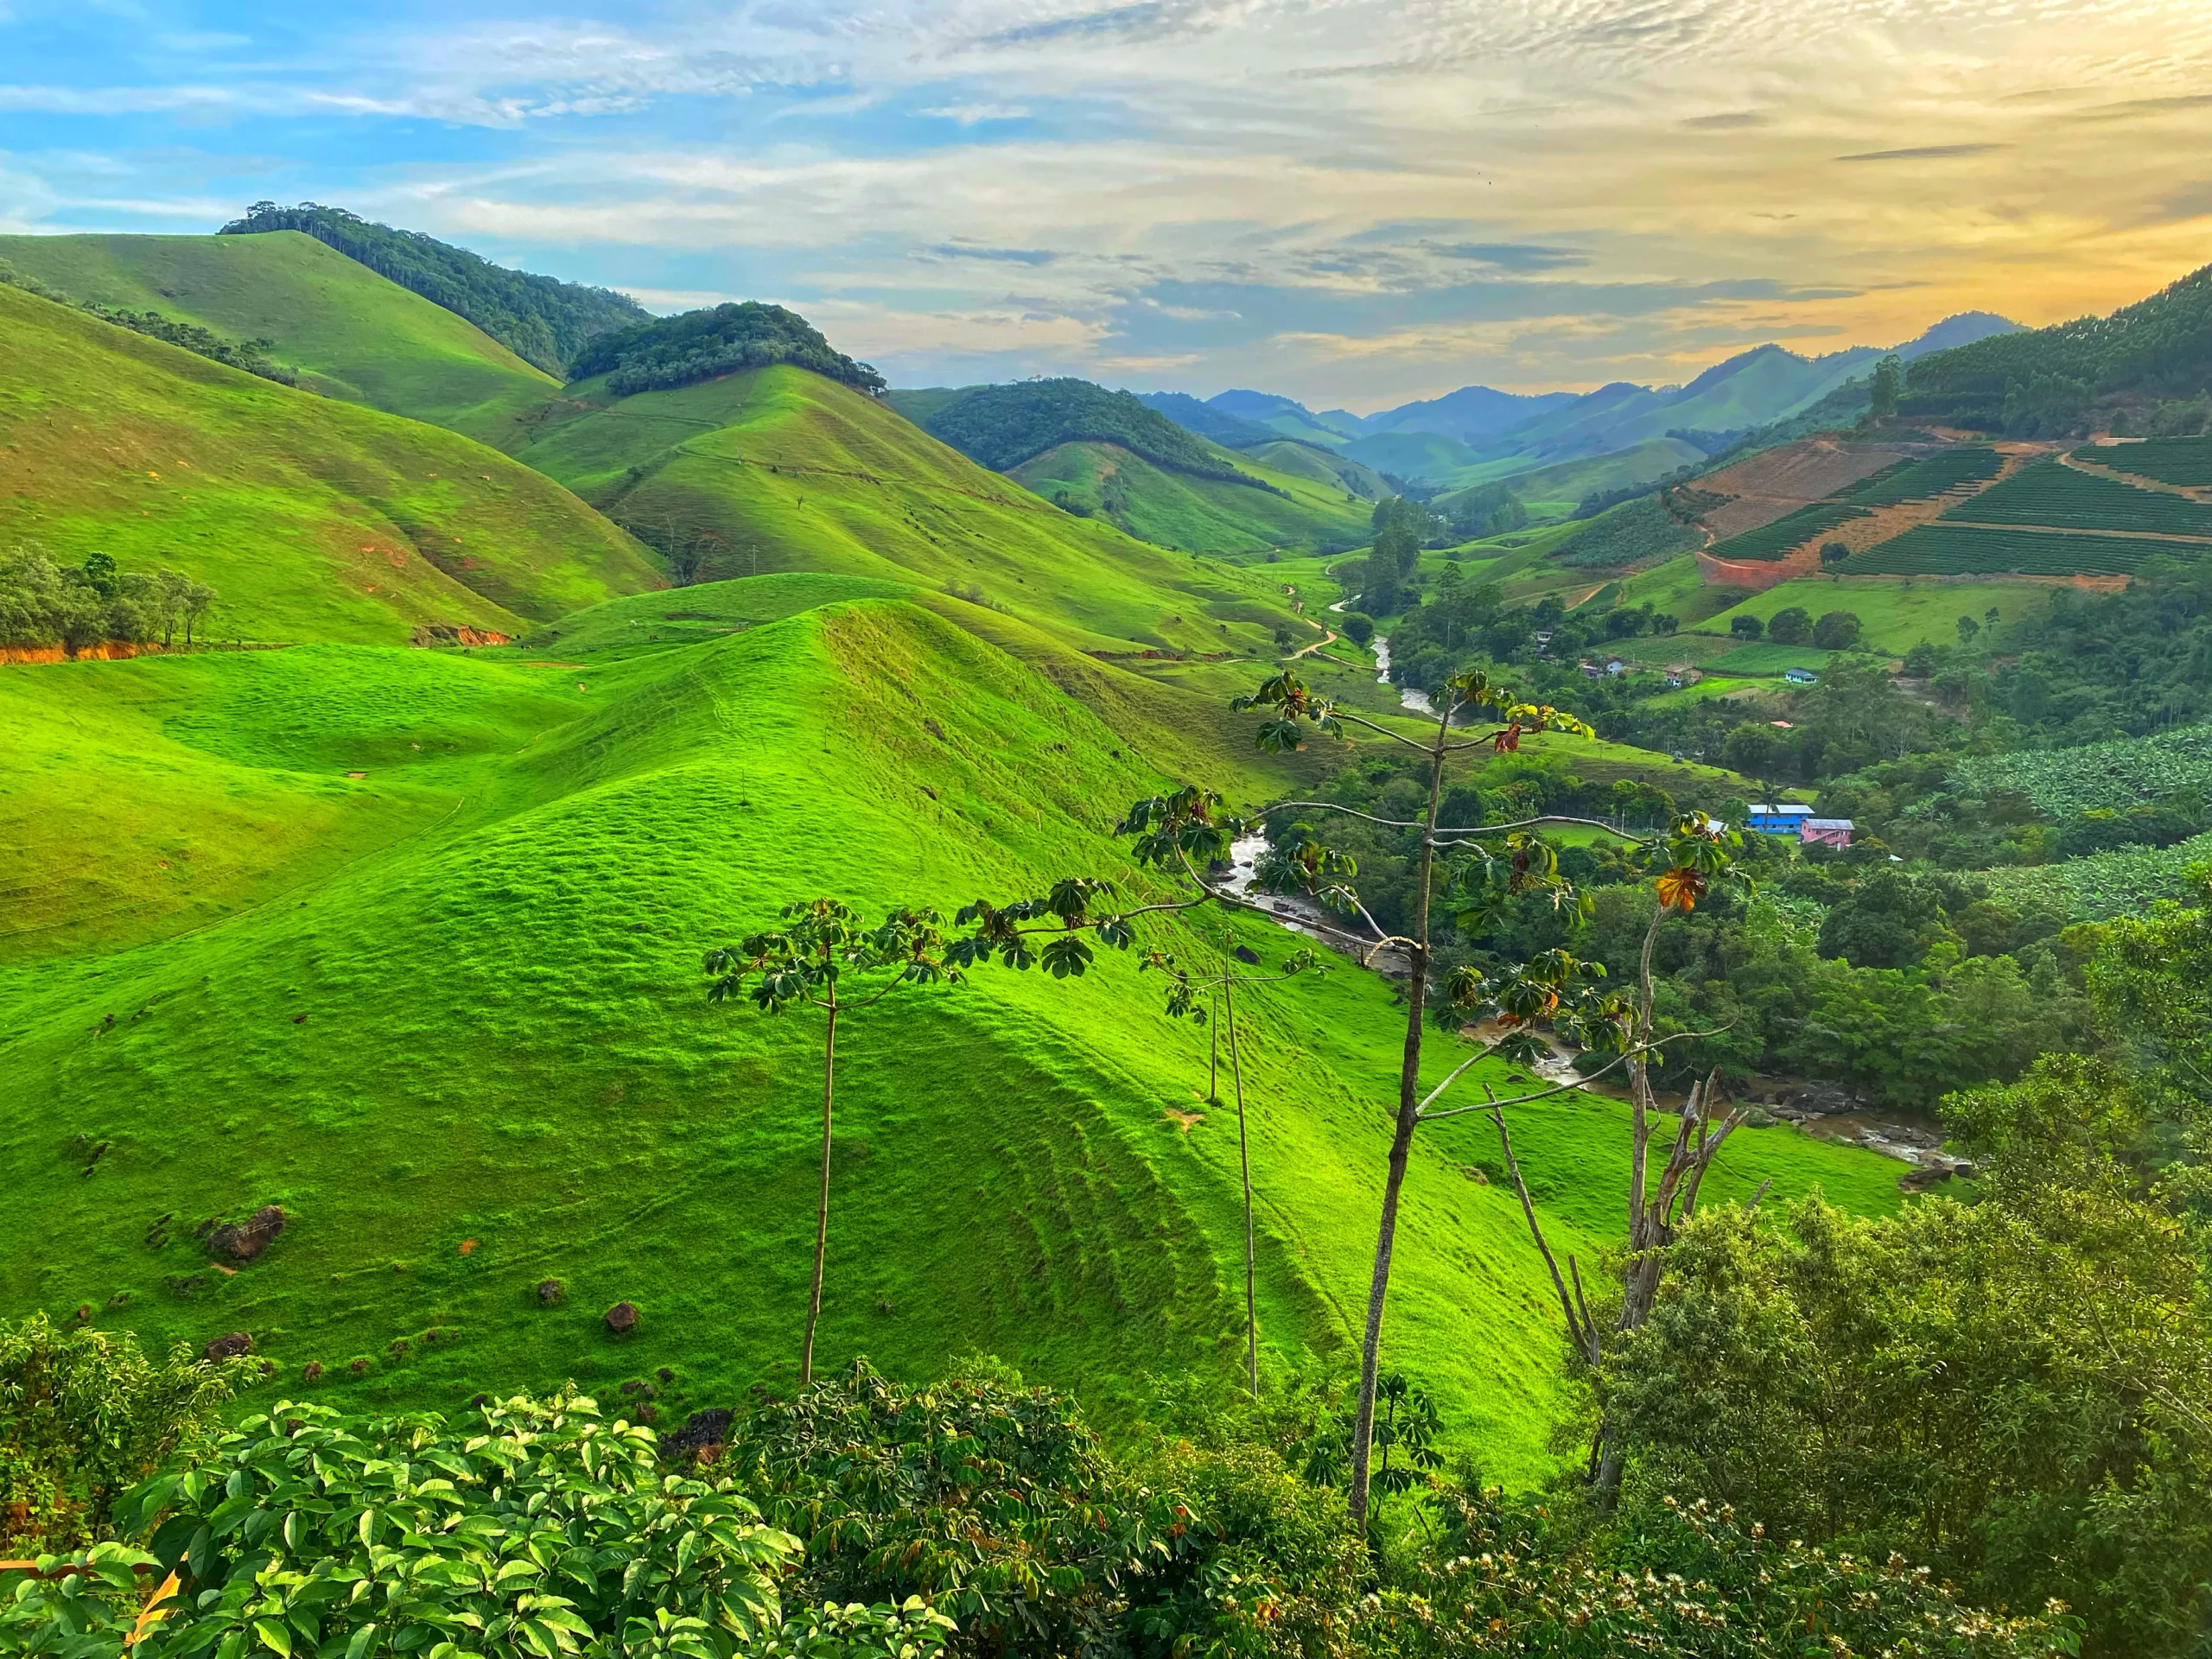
[
  {"x": 1634, "y": 533},
  {"x": 2123, "y": 773},
  {"x": 1916, "y": 479},
  {"x": 2103, "y": 884},
  {"x": 1770, "y": 542},
  {"x": 2170, "y": 461},
  {"x": 1941, "y": 550},
  {"x": 2055, "y": 494}
]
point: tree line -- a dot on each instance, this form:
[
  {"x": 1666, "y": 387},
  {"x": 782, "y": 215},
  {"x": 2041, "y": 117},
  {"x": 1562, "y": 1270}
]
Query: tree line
[
  {"x": 680, "y": 351},
  {"x": 254, "y": 356},
  {"x": 77, "y": 605}
]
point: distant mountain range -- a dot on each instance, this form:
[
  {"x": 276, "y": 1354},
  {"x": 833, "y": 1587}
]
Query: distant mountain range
[{"x": 1478, "y": 432}]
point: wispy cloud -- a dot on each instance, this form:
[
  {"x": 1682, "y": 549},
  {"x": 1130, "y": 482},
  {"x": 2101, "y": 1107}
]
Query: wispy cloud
[{"x": 1357, "y": 201}]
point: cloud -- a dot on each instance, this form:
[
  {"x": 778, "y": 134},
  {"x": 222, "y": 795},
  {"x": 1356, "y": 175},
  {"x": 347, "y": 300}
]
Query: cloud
[
  {"x": 1511, "y": 255},
  {"x": 969, "y": 115},
  {"x": 1925, "y": 152}
]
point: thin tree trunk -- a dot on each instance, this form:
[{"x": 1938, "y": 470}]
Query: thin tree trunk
[
  {"x": 1245, "y": 1165},
  {"x": 1213, "y": 1058},
  {"x": 1362, "y": 1428},
  {"x": 822, "y": 1211}
]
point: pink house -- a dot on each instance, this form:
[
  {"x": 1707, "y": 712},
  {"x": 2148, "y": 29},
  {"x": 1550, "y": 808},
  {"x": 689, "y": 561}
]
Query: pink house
[{"x": 1824, "y": 832}]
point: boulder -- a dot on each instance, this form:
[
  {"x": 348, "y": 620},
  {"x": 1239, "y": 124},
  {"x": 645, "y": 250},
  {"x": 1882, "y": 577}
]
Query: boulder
[
  {"x": 551, "y": 1291},
  {"x": 312, "y": 1371},
  {"x": 231, "y": 1347},
  {"x": 245, "y": 1241},
  {"x": 702, "y": 1438},
  {"x": 622, "y": 1318}
]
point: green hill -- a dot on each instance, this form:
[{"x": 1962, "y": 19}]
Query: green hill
[
  {"x": 313, "y": 519},
  {"x": 779, "y": 469},
  {"x": 1285, "y": 457},
  {"x": 351, "y": 334},
  {"x": 1001, "y": 426},
  {"x": 2051, "y": 382},
  {"x": 449, "y": 1015},
  {"x": 1198, "y": 514},
  {"x": 544, "y": 320}
]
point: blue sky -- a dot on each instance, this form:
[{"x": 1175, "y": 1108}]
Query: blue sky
[{"x": 1350, "y": 201}]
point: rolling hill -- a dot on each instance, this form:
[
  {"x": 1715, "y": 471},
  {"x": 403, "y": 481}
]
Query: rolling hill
[
  {"x": 451, "y": 1019},
  {"x": 313, "y": 519},
  {"x": 1112, "y": 456},
  {"x": 351, "y": 334},
  {"x": 779, "y": 469}
]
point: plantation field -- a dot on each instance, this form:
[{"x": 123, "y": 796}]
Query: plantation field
[
  {"x": 1895, "y": 616},
  {"x": 1950, "y": 549},
  {"x": 2104, "y": 884},
  {"x": 459, "y": 1035},
  {"x": 1772, "y": 541},
  {"x": 2050, "y": 493},
  {"x": 1635, "y": 532},
  {"x": 2186, "y": 461},
  {"x": 2064, "y": 782},
  {"x": 313, "y": 519},
  {"x": 1922, "y": 476}
]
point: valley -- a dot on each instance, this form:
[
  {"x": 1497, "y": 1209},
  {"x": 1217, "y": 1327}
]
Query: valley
[{"x": 423, "y": 680}]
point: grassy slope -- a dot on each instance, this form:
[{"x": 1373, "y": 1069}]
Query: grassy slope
[
  {"x": 505, "y": 1040},
  {"x": 776, "y": 469},
  {"x": 356, "y": 335},
  {"x": 1200, "y": 515},
  {"x": 313, "y": 519},
  {"x": 1894, "y": 615},
  {"x": 1305, "y": 460}
]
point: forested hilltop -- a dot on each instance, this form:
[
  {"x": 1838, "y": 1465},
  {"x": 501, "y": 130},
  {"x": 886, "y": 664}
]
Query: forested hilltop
[{"x": 542, "y": 320}]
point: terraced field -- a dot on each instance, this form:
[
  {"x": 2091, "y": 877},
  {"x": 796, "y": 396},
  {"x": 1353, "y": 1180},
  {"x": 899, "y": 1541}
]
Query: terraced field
[
  {"x": 2061, "y": 497},
  {"x": 1924, "y": 476},
  {"x": 1948, "y": 549},
  {"x": 2183, "y": 462}
]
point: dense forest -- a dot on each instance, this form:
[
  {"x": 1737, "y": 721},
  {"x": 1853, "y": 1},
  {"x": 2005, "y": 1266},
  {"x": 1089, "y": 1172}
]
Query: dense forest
[
  {"x": 1003, "y": 426},
  {"x": 541, "y": 319},
  {"x": 2154, "y": 356},
  {"x": 697, "y": 345}
]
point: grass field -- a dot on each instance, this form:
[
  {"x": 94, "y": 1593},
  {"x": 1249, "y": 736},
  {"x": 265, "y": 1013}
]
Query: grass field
[
  {"x": 313, "y": 519},
  {"x": 459, "y": 1033},
  {"x": 1200, "y": 515},
  {"x": 776, "y": 469},
  {"x": 355, "y": 335},
  {"x": 1895, "y": 616}
]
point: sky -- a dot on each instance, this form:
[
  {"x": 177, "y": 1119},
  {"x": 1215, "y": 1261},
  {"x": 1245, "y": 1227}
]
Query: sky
[{"x": 1352, "y": 202}]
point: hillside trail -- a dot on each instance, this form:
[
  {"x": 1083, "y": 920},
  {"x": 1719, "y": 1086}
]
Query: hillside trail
[
  {"x": 2135, "y": 480},
  {"x": 1329, "y": 639}
]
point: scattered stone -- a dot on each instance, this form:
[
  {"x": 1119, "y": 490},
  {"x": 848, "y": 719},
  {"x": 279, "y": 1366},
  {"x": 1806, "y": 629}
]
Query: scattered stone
[
  {"x": 1474, "y": 1172},
  {"x": 312, "y": 1371},
  {"x": 933, "y": 730},
  {"x": 477, "y": 1400},
  {"x": 1248, "y": 955},
  {"x": 648, "y": 1413},
  {"x": 702, "y": 1438},
  {"x": 268, "y": 1368},
  {"x": 622, "y": 1318},
  {"x": 551, "y": 1291},
  {"x": 158, "y": 1234},
  {"x": 885, "y": 1307},
  {"x": 299, "y": 1019},
  {"x": 397, "y": 1346},
  {"x": 84, "y": 1312},
  {"x": 359, "y": 1367},
  {"x": 230, "y": 1347},
  {"x": 665, "y": 1375},
  {"x": 244, "y": 1241}
]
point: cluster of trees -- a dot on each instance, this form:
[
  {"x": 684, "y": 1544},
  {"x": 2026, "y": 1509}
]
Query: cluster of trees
[
  {"x": 1000, "y": 427},
  {"x": 2050, "y": 382},
  {"x": 1468, "y": 619},
  {"x": 695, "y": 346},
  {"x": 1402, "y": 527},
  {"x": 1795, "y": 626},
  {"x": 251, "y": 355},
  {"x": 42, "y": 603},
  {"x": 540, "y": 318},
  {"x": 1491, "y": 510}
]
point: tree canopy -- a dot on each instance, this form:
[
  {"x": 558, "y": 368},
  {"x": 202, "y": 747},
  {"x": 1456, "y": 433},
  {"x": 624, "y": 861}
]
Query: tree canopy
[{"x": 701, "y": 345}]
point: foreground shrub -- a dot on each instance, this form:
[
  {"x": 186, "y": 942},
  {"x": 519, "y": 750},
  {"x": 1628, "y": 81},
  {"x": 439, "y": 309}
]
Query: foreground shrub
[
  {"x": 996, "y": 1504},
  {"x": 533, "y": 1530},
  {"x": 1679, "y": 1580},
  {"x": 84, "y": 1418}
]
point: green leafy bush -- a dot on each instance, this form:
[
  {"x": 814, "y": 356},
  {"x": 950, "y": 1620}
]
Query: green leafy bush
[
  {"x": 84, "y": 1418},
  {"x": 531, "y": 1530}
]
